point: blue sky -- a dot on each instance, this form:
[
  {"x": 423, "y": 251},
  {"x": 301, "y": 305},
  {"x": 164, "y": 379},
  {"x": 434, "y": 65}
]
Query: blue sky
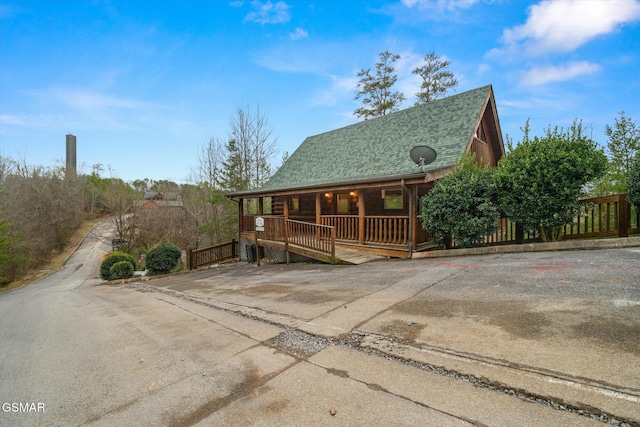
[{"x": 144, "y": 84}]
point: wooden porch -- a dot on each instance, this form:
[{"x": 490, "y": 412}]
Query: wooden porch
[{"x": 337, "y": 239}]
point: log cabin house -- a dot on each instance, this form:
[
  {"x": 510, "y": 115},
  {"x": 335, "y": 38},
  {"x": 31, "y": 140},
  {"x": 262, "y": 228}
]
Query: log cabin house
[
  {"x": 156, "y": 200},
  {"x": 357, "y": 187}
]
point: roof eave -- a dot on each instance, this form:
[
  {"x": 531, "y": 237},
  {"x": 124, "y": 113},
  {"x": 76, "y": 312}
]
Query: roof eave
[{"x": 378, "y": 182}]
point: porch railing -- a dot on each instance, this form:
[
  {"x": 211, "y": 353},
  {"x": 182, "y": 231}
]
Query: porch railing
[
  {"x": 212, "y": 255},
  {"x": 274, "y": 229},
  {"x": 248, "y": 223},
  {"x": 388, "y": 230},
  {"x": 346, "y": 226},
  {"x": 608, "y": 216},
  {"x": 317, "y": 237},
  {"x": 385, "y": 230}
]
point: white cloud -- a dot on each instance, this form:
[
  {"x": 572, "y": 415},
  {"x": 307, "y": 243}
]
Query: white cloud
[
  {"x": 298, "y": 34},
  {"x": 15, "y": 120},
  {"x": 341, "y": 91},
  {"x": 81, "y": 99},
  {"x": 483, "y": 68},
  {"x": 269, "y": 13},
  {"x": 565, "y": 25},
  {"x": 439, "y": 4},
  {"x": 541, "y": 75}
]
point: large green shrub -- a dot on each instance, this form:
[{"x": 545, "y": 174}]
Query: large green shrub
[
  {"x": 541, "y": 180},
  {"x": 633, "y": 182},
  {"x": 105, "y": 267},
  {"x": 121, "y": 270},
  {"x": 462, "y": 205},
  {"x": 162, "y": 258}
]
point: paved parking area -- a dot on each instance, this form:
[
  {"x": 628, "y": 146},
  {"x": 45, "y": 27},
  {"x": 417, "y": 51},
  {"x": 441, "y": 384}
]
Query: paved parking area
[{"x": 573, "y": 315}]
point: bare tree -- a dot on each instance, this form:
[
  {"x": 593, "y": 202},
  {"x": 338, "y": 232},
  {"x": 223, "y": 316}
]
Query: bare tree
[
  {"x": 154, "y": 225},
  {"x": 119, "y": 200},
  {"x": 249, "y": 150},
  {"x": 263, "y": 148},
  {"x": 210, "y": 158}
]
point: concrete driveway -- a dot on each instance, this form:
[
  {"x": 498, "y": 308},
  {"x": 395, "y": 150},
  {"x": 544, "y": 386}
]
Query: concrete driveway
[
  {"x": 526, "y": 339},
  {"x": 563, "y": 325}
]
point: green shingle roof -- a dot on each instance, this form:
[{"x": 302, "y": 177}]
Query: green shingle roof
[{"x": 379, "y": 148}]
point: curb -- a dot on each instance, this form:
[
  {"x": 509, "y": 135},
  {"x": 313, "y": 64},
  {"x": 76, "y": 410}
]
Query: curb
[{"x": 565, "y": 245}]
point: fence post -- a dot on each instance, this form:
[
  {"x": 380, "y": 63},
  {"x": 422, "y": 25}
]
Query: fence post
[
  {"x": 234, "y": 248},
  {"x": 333, "y": 245},
  {"x": 519, "y": 233},
  {"x": 189, "y": 262},
  {"x": 624, "y": 213},
  {"x": 286, "y": 241}
]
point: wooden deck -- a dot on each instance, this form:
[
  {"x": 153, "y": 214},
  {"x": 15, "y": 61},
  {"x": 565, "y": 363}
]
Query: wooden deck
[
  {"x": 352, "y": 256},
  {"x": 343, "y": 255}
]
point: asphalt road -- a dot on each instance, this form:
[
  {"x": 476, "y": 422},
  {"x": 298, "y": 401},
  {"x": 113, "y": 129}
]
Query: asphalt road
[{"x": 327, "y": 345}]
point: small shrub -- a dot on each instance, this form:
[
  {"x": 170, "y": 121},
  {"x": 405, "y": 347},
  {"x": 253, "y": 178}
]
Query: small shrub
[
  {"x": 121, "y": 270},
  {"x": 163, "y": 258},
  {"x": 105, "y": 267}
]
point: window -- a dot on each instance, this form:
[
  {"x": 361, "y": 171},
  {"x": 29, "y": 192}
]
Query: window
[
  {"x": 343, "y": 204},
  {"x": 295, "y": 204},
  {"x": 393, "y": 200},
  {"x": 480, "y": 134},
  {"x": 250, "y": 206},
  {"x": 267, "y": 206}
]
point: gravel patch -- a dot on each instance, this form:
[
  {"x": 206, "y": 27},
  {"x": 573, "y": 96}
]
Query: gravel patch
[{"x": 299, "y": 344}]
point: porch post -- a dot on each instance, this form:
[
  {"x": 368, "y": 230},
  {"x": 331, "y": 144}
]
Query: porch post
[
  {"x": 624, "y": 216},
  {"x": 318, "y": 213},
  {"x": 286, "y": 206},
  {"x": 318, "y": 208},
  {"x": 361, "y": 214},
  {"x": 260, "y": 206},
  {"x": 413, "y": 206},
  {"x": 240, "y": 217}
]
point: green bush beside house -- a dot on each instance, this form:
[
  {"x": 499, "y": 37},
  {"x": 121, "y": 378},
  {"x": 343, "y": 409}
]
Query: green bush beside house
[
  {"x": 162, "y": 258},
  {"x": 462, "y": 206}
]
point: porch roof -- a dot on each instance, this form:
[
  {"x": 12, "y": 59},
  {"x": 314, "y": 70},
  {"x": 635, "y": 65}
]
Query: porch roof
[{"x": 378, "y": 149}]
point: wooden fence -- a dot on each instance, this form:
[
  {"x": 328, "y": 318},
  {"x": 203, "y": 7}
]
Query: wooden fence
[
  {"x": 608, "y": 216},
  {"x": 197, "y": 258}
]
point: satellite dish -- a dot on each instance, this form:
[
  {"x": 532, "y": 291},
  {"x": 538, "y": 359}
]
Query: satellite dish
[{"x": 423, "y": 155}]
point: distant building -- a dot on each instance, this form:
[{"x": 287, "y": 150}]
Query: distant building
[{"x": 158, "y": 200}]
